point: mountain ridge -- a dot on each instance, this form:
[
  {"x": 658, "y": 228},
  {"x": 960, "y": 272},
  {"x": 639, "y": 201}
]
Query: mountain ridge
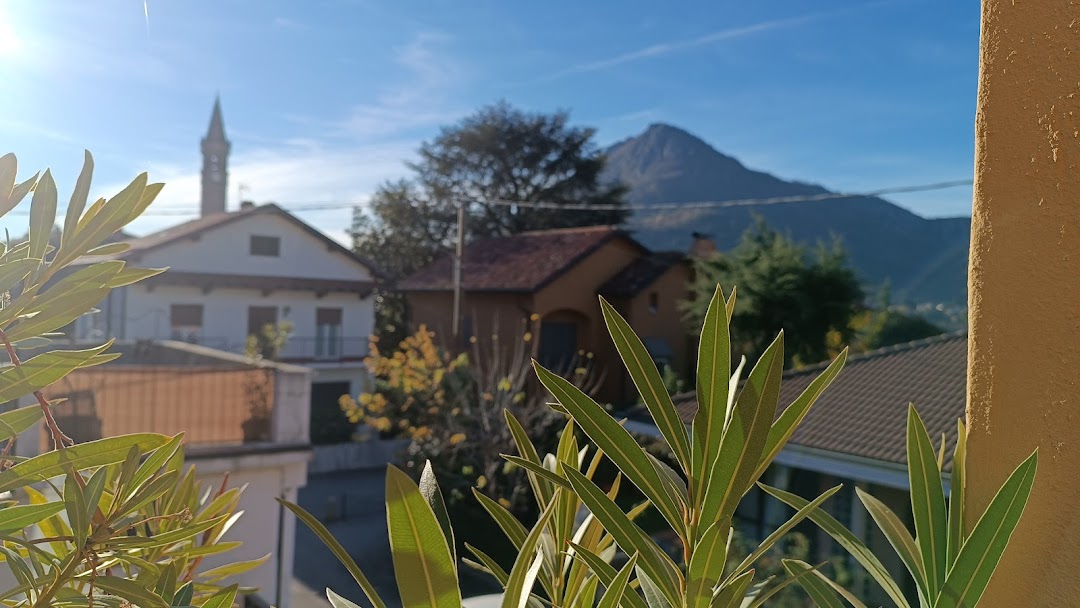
[{"x": 924, "y": 260}]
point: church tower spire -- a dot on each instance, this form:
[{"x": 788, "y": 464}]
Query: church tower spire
[{"x": 215, "y": 174}]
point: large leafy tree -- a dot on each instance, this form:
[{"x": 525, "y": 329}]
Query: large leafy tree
[
  {"x": 497, "y": 155},
  {"x": 813, "y": 295}
]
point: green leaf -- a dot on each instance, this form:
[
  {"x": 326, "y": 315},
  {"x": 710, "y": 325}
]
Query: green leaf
[
  {"x": 793, "y": 415},
  {"x": 184, "y": 594},
  {"x": 605, "y": 572},
  {"x": 18, "y": 193},
  {"x": 745, "y": 436},
  {"x": 78, "y": 197},
  {"x": 429, "y": 489},
  {"x": 232, "y": 569},
  {"x": 335, "y": 547},
  {"x": 957, "y": 532},
  {"x": 713, "y": 374},
  {"x": 154, "y": 462},
  {"x": 650, "y": 384},
  {"x": 83, "y": 456},
  {"x": 337, "y": 601},
  {"x": 77, "y": 508},
  {"x": 760, "y": 599},
  {"x": 95, "y": 487},
  {"x": 506, "y": 521},
  {"x": 787, "y": 526},
  {"x": 128, "y": 276},
  {"x": 138, "y": 594},
  {"x": 23, "y": 516},
  {"x": 982, "y": 551},
  {"x": 617, "y": 444},
  {"x": 898, "y": 536},
  {"x": 706, "y": 565},
  {"x": 425, "y": 571},
  {"x": 171, "y": 537},
  {"x": 222, "y": 599},
  {"x": 927, "y": 503},
  {"x": 14, "y": 271},
  {"x": 38, "y": 372},
  {"x": 9, "y": 167},
  {"x": 617, "y": 588},
  {"x": 848, "y": 541},
  {"x": 16, "y": 421},
  {"x": 101, "y": 221},
  {"x": 109, "y": 249},
  {"x": 822, "y": 594},
  {"x": 732, "y": 593},
  {"x": 629, "y": 536},
  {"x": 527, "y": 451},
  {"x": 654, "y": 595},
  {"x": 586, "y": 596},
  {"x": 527, "y": 565},
  {"x": 42, "y": 214},
  {"x": 490, "y": 566},
  {"x": 539, "y": 470}
]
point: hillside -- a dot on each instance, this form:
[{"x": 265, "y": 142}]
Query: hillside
[{"x": 925, "y": 260}]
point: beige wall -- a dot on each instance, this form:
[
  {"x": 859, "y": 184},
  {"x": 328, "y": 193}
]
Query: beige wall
[
  {"x": 1024, "y": 292},
  {"x": 571, "y": 296},
  {"x": 671, "y": 288}
]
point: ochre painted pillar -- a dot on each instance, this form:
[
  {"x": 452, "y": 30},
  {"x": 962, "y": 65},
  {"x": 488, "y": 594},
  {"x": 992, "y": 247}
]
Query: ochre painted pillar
[{"x": 1024, "y": 292}]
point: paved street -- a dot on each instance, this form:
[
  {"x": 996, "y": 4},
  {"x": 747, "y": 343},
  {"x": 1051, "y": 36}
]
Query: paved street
[{"x": 351, "y": 506}]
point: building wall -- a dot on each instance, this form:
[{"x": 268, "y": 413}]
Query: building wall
[
  {"x": 666, "y": 322},
  {"x": 265, "y": 527},
  {"x": 225, "y": 250},
  {"x": 225, "y": 314},
  {"x": 486, "y": 314}
]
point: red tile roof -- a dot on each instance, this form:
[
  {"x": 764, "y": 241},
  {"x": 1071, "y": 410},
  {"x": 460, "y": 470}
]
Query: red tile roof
[
  {"x": 523, "y": 262},
  {"x": 640, "y": 274},
  {"x": 864, "y": 412}
]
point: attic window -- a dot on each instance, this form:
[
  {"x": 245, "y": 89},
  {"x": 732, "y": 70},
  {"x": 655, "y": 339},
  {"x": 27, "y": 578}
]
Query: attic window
[
  {"x": 269, "y": 246},
  {"x": 654, "y": 303}
]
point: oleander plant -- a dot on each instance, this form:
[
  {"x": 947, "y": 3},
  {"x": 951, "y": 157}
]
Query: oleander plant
[
  {"x": 565, "y": 560},
  {"x": 120, "y": 521}
]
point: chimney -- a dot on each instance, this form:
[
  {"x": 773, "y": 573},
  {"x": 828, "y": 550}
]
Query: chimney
[
  {"x": 702, "y": 245},
  {"x": 247, "y": 205}
]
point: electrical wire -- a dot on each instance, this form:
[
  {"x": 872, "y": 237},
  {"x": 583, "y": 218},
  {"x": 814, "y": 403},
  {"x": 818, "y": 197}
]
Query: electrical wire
[{"x": 299, "y": 207}]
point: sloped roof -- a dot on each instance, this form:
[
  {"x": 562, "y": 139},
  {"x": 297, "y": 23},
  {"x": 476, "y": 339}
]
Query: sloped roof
[
  {"x": 524, "y": 262},
  {"x": 863, "y": 413},
  {"x": 640, "y": 274},
  {"x": 192, "y": 228}
]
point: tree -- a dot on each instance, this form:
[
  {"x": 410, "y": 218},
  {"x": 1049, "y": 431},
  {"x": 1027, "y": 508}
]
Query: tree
[
  {"x": 889, "y": 326},
  {"x": 812, "y": 296},
  {"x": 496, "y": 155}
]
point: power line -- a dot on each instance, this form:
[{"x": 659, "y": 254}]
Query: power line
[{"x": 708, "y": 204}]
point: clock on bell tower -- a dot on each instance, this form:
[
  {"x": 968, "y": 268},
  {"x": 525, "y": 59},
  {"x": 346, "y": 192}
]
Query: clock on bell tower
[{"x": 215, "y": 173}]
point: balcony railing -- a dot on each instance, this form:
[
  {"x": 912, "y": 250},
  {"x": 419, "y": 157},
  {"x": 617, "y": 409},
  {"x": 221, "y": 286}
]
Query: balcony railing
[{"x": 298, "y": 349}]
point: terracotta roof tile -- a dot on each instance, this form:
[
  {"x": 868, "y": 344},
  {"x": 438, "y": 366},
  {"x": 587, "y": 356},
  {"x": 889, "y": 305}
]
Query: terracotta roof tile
[
  {"x": 523, "y": 262},
  {"x": 637, "y": 276},
  {"x": 864, "y": 412}
]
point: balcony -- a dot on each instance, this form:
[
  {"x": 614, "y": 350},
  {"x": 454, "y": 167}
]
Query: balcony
[{"x": 298, "y": 349}]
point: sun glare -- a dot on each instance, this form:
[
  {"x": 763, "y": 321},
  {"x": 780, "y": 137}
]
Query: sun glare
[{"x": 9, "y": 41}]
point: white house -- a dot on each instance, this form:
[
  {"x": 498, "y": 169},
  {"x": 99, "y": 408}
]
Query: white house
[{"x": 232, "y": 272}]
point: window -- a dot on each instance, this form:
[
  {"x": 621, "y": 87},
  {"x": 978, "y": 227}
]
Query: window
[
  {"x": 186, "y": 321},
  {"x": 327, "y": 332},
  {"x": 654, "y": 303},
  {"x": 466, "y": 331},
  {"x": 269, "y": 246},
  {"x": 558, "y": 344},
  {"x": 259, "y": 317}
]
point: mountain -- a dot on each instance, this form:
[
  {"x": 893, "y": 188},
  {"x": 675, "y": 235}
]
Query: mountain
[{"x": 923, "y": 259}]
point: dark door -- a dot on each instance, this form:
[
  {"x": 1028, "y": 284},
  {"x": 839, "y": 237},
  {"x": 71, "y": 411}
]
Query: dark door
[
  {"x": 558, "y": 344},
  {"x": 328, "y": 423}
]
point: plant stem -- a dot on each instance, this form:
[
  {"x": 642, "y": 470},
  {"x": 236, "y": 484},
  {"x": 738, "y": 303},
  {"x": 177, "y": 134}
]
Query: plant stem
[{"x": 60, "y": 440}]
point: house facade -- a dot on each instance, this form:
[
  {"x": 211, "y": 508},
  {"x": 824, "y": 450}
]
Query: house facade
[
  {"x": 231, "y": 273},
  {"x": 545, "y": 284}
]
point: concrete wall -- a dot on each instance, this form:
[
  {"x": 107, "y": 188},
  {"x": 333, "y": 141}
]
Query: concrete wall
[
  {"x": 225, "y": 250},
  {"x": 265, "y": 527},
  {"x": 1024, "y": 345}
]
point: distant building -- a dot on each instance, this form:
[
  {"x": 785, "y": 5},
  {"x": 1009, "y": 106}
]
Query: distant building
[
  {"x": 233, "y": 272},
  {"x": 547, "y": 282}
]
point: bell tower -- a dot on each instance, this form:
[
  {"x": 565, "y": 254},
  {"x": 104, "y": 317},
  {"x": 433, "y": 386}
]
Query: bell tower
[{"x": 215, "y": 173}]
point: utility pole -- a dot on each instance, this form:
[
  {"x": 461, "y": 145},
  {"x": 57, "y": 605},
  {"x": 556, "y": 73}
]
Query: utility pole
[{"x": 457, "y": 268}]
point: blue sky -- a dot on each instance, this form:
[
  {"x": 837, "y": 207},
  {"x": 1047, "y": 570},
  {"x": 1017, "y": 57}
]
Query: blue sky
[{"x": 325, "y": 99}]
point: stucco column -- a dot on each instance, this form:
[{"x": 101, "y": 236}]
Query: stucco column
[{"x": 1024, "y": 292}]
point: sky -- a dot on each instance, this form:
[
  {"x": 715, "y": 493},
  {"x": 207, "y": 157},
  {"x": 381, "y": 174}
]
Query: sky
[{"x": 324, "y": 100}]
